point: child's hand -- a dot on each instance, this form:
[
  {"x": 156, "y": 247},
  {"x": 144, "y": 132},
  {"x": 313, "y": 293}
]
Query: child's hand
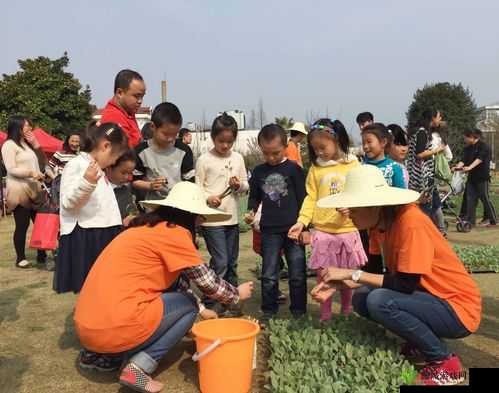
[
  {"x": 249, "y": 217},
  {"x": 158, "y": 183},
  {"x": 245, "y": 290},
  {"x": 345, "y": 212},
  {"x": 93, "y": 173},
  {"x": 208, "y": 314},
  {"x": 234, "y": 183},
  {"x": 305, "y": 238},
  {"x": 214, "y": 201},
  {"x": 322, "y": 292},
  {"x": 127, "y": 220},
  {"x": 295, "y": 230}
]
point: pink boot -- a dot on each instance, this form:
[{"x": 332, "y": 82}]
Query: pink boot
[{"x": 346, "y": 301}]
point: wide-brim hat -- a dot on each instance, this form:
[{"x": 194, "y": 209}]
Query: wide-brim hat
[
  {"x": 366, "y": 186},
  {"x": 189, "y": 197},
  {"x": 299, "y": 127}
]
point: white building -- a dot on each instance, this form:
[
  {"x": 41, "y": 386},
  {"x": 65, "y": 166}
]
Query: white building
[
  {"x": 238, "y": 116},
  {"x": 488, "y": 123}
]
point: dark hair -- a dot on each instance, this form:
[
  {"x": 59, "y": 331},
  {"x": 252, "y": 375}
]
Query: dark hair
[
  {"x": 65, "y": 145},
  {"x": 380, "y": 131},
  {"x": 128, "y": 155},
  {"x": 322, "y": 128},
  {"x": 443, "y": 131},
  {"x": 294, "y": 133},
  {"x": 146, "y": 131},
  {"x": 111, "y": 132},
  {"x": 364, "y": 116},
  {"x": 425, "y": 120},
  {"x": 473, "y": 132},
  {"x": 169, "y": 215},
  {"x": 15, "y": 129},
  {"x": 399, "y": 136},
  {"x": 224, "y": 122},
  {"x": 124, "y": 78},
  {"x": 183, "y": 132},
  {"x": 166, "y": 113},
  {"x": 270, "y": 132}
]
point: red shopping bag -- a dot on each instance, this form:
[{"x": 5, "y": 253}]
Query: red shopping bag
[{"x": 45, "y": 231}]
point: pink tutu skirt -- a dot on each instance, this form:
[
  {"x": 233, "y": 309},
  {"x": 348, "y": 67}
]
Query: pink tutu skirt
[{"x": 343, "y": 250}]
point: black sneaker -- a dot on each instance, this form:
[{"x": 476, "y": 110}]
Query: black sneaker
[
  {"x": 264, "y": 320},
  {"x": 97, "y": 361}
]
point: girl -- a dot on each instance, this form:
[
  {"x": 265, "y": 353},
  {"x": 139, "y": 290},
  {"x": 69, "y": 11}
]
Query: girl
[
  {"x": 375, "y": 141},
  {"x": 129, "y": 305},
  {"x": 23, "y": 158},
  {"x": 221, "y": 174},
  {"x": 90, "y": 217},
  {"x": 119, "y": 175},
  {"x": 398, "y": 149},
  {"x": 335, "y": 240},
  {"x": 426, "y": 295},
  {"x": 70, "y": 149}
]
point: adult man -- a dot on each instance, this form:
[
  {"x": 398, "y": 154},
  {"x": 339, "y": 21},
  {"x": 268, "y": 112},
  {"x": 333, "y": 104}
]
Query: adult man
[
  {"x": 129, "y": 91},
  {"x": 364, "y": 119}
]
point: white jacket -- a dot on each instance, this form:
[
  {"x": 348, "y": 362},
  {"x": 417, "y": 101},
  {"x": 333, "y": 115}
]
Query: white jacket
[{"x": 83, "y": 203}]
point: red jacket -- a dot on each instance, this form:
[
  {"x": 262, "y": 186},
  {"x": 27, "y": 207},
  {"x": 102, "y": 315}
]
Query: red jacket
[{"x": 114, "y": 114}]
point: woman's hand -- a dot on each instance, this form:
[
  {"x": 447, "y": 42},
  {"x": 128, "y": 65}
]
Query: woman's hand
[
  {"x": 214, "y": 201},
  {"x": 249, "y": 217},
  {"x": 295, "y": 231},
  {"x": 208, "y": 314},
  {"x": 245, "y": 290},
  {"x": 335, "y": 274},
  {"x": 31, "y": 139},
  {"x": 234, "y": 183},
  {"x": 36, "y": 175},
  {"x": 93, "y": 173},
  {"x": 322, "y": 292}
]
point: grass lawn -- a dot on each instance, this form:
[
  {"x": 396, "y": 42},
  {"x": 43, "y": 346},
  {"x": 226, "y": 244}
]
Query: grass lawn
[{"x": 38, "y": 345}]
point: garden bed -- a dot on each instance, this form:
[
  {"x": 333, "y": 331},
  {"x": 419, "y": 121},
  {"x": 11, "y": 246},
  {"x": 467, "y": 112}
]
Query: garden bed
[
  {"x": 345, "y": 355},
  {"x": 479, "y": 259}
]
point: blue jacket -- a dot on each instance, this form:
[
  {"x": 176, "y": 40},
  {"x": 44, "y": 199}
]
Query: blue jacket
[{"x": 392, "y": 171}]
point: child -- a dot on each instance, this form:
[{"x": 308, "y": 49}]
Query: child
[
  {"x": 375, "y": 141},
  {"x": 90, "y": 217},
  {"x": 279, "y": 185},
  {"x": 119, "y": 175},
  {"x": 398, "y": 149},
  {"x": 364, "y": 119},
  {"x": 221, "y": 174},
  {"x": 335, "y": 240},
  {"x": 160, "y": 165},
  {"x": 298, "y": 134}
]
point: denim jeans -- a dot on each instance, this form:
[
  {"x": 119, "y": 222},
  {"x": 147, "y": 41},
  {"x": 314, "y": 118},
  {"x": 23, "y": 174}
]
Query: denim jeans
[
  {"x": 223, "y": 245},
  {"x": 272, "y": 244},
  {"x": 179, "y": 312},
  {"x": 420, "y": 318}
]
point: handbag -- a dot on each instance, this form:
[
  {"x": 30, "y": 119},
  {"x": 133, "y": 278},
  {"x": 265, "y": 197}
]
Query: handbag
[{"x": 442, "y": 168}]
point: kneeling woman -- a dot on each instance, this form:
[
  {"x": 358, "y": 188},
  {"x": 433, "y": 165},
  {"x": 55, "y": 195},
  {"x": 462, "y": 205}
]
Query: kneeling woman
[
  {"x": 124, "y": 306},
  {"x": 426, "y": 294}
]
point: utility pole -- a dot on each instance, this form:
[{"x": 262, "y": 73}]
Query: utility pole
[{"x": 163, "y": 91}]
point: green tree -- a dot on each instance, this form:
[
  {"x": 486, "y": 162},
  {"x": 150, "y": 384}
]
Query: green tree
[
  {"x": 42, "y": 90},
  {"x": 284, "y": 122},
  {"x": 456, "y": 105}
]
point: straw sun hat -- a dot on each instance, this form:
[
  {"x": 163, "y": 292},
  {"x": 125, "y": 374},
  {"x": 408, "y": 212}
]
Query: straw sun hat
[
  {"x": 189, "y": 197},
  {"x": 365, "y": 186},
  {"x": 299, "y": 126}
]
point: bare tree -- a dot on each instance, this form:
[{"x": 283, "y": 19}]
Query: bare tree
[{"x": 261, "y": 113}]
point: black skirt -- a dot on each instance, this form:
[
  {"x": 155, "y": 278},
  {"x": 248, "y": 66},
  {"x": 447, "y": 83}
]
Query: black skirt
[{"x": 77, "y": 253}]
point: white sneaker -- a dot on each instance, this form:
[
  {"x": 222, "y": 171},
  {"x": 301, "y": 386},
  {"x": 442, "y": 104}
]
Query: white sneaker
[{"x": 24, "y": 264}]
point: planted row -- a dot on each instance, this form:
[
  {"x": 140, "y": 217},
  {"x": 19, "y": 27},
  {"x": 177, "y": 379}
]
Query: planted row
[
  {"x": 346, "y": 355},
  {"x": 479, "y": 258}
]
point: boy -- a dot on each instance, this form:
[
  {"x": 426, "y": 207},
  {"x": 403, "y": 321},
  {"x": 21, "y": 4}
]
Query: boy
[
  {"x": 298, "y": 133},
  {"x": 476, "y": 162},
  {"x": 279, "y": 185},
  {"x": 364, "y": 119},
  {"x": 160, "y": 165},
  {"x": 129, "y": 91}
]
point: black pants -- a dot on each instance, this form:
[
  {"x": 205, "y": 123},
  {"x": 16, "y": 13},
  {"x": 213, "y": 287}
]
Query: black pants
[
  {"x": 464, "y": 207},
  {"x": 22, "y": 216},
  {"x": 479, "y": 191}
]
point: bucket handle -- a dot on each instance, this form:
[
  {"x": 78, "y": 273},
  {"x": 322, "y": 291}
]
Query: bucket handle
[{"x": 198, "y": 355}]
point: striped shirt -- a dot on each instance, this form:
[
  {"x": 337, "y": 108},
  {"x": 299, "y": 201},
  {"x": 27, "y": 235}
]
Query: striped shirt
[{"x": 59, "y": 160}]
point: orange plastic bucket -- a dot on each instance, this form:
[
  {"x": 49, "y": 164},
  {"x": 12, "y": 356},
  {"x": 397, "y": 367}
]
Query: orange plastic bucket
[{"x": 225, "y": 351}]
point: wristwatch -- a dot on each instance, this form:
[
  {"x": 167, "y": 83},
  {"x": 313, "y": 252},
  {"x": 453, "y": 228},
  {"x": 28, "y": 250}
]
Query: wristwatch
[{"x": 356, "y": 275}]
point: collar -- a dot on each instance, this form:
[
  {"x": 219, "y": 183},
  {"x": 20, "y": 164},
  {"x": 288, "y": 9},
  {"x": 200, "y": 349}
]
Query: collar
[
  {"x": 344, "y": 160},
  {"x": 112, "y": 102}
]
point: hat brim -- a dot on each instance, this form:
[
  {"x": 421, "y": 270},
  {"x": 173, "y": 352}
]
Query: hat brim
[
  {"x": 210, "y": 214},
  {"x": 388, "y": 196},
  {"x": 304, "y": 132}
]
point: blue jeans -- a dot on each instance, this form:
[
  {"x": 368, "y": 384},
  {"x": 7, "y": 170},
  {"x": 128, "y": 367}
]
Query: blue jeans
[
  {"x": 179, "y": 312},
  {"x": 223, "y": 245},
  {"x": 420, "y": 318},
  {"x": 272, "y": 244}
]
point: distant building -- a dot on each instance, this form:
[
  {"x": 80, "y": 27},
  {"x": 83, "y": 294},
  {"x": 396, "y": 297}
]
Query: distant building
[
  {"x": 488, "y": 123},
  {"x": 142, "y": 116}
]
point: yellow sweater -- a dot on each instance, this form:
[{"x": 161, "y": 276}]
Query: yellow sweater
[{"x": 324, "y": 180}]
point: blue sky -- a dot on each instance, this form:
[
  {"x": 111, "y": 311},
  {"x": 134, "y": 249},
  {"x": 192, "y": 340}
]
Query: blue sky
[{"x": 336, "y": 56}]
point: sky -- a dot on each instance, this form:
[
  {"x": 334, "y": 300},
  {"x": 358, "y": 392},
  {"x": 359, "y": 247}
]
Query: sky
[{"x": 334, "y": 58}]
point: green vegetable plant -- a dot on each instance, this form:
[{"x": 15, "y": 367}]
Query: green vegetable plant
[{"x": 479, "y": 258}]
